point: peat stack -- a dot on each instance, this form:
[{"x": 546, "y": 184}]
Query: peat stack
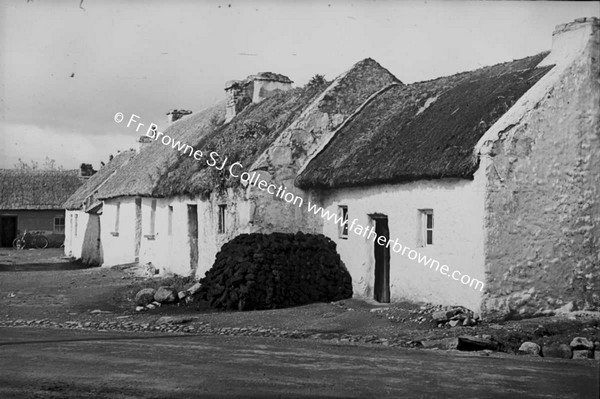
[{"x": 268, "y": 271}]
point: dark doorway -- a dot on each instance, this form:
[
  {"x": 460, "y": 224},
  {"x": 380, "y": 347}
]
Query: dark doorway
[
  {"x": 8, "y": 230},
  {"x": 382, "y": 260},
  {"x": 138, "y": 228},
  {"x": 193, "y": 235}
]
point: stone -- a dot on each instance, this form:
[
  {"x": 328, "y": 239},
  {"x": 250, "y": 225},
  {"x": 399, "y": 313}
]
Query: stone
[
  {"x": 569, "y": 307},
  {"x": 444, "y": 343},
  {"x": 139, "y": 308},
  {"x": 194, "y": 289},
  {"x": 165, "y": 295},
  {"x": 157, "y": 304},
  {"x": 145, "y": 296},
  {"x": 439, "y": 316},
  {"x": 561, "y": 351},
  {"x": 150, "y": 306},
  {"x": 529, "y": 348},
  {"x": 468, "y": 322},
  {"x": 582, "y": 343},
  {"x": 453, "y": 323},
  {"x": 470, "y": 343},
  {"x": 582, "y": 354},
  {"x": 174, "y": 320},
  {"x": 181, "y": 295}
]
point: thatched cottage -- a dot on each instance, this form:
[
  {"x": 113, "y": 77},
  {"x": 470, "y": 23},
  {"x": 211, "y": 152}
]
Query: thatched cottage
[
  {"x": 494, "y": 173},
  {"x": 83, "y": 210},
  {"x": 32, "y": 200}
]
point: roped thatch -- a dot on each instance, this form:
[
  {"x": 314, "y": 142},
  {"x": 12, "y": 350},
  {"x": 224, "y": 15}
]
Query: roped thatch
[
  {"x": 140, "y": 176},
  {"x": 38, "y": 189},
  {"x": 84, "y": 197},
  {"x": 425, "y": 130}
]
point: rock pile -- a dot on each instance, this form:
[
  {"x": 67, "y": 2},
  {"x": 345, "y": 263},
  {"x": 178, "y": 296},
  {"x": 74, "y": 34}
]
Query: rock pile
[
  {"x": 455, "y": 316},
  {"x": 267, "y": 271},
  {"x": 579, "y": 348}
]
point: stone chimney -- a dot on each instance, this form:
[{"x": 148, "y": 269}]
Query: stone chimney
[
  {"x": 143, "y": 141},
  {"x": 176, "y": 114},
  {"x": 253, "y": 89},
  {"x": 570, "y": 40}
]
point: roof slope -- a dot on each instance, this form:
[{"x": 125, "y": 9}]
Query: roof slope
[
  {"x": 423, "y": 130},
  {"x": 242, "y": 140},
  {"x": 84, "y": 197},
  {"x": 37, "y": 190},
  {"x": 142, "y": 173}
]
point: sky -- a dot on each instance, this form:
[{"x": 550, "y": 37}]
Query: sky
[{"x": 65, "y": 71}]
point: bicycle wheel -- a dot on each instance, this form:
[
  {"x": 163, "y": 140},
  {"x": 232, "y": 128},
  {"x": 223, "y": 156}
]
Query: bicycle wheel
[
  {"x": 18, "y": 243},
  {"x": 40, "y": 242}
]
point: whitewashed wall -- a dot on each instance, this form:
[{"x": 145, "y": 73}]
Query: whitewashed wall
[
  {"x": 171, "y": 252},
  {"x": 118, "y": 248},
  {"x": 458, "y": 208},
  {"x": 74, "y": 238}
]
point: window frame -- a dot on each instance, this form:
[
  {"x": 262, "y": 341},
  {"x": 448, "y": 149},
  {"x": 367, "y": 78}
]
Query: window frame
[
  {"x": 55, "y": 225},
  {"x": 425, "y": 216},
  {"x": 343, "y": 228},
  {"x": 221, "y": 222}
]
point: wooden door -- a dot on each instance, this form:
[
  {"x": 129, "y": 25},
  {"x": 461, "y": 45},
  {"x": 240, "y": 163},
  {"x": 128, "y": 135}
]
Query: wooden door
[{"x": 382, "y": 261}]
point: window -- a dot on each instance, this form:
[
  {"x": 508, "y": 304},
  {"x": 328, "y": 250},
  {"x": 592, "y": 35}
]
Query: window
[
  {"x": 76, "y": 218},
  {"x": 117, "y": 215},
  {"x": 170, "y": 221},
  {"x": 426, "y": 227},
  {"x": 59, "y": 225},
  {"x": 343, "y": 228},
  {"x": 152, "y": 216},
  {"x": 222, "y": 209}
]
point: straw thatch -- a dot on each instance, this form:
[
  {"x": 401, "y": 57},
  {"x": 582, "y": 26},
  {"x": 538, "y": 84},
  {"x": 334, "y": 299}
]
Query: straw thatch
[
  {"x": 242, "y": 140},
  {"x": 254, "y": 129},
  {"x": 37, "y": 190},
  {"x": 85, "y": 196},
  {"x": 140, "y": 176},
  {"x": 426, "y": 130}
]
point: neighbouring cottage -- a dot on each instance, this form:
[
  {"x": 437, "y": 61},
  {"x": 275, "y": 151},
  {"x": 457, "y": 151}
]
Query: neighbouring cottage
[
  {"x": 33, "y": 201},
  {"x": 494, "y": 173},
  {"x": 83, "y": 212}
]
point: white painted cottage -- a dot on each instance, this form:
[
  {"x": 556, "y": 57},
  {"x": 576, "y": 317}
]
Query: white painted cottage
[{"x": 494, "y": 173}]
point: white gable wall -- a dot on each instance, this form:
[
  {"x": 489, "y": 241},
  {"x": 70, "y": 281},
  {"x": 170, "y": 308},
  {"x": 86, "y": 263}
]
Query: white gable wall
[
  {"x": 458, "y": 237},
  {"x": 119, "y": 246}
]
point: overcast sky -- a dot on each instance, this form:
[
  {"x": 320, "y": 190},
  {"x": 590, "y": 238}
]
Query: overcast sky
[{"x": 146, "y": 57}]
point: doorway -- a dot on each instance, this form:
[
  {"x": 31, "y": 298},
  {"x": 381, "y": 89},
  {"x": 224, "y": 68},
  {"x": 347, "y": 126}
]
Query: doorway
[
  {"x": 8, "y": 230},
  {"x": 193, "y": 235},
  {"x": 138, "y": 228},
  {"x": 382, "y": 260}
]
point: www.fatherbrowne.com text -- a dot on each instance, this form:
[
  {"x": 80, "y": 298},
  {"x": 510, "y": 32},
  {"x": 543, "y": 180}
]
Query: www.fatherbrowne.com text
[{"x": 235, "y": 169}]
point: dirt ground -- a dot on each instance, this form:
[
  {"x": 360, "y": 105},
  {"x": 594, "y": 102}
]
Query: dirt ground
[{"x": 36, "y": 284}]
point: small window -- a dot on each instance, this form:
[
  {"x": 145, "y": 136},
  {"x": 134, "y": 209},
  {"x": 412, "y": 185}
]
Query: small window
[
  {"x": 343, "y": 218},
  {"x": 117, "y": 215},
  {"x": 152, "y": 216},
  {"x": 427, "y": 227},
  {"x": 76, "y": 218},
  {"x": 222, "y": 209},
  {"x": 170, "y": 221},
  {"x": 59, "y": 225}
]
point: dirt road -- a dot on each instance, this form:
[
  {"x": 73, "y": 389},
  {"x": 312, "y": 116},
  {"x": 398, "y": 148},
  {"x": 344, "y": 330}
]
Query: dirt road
[{"x": 47, "y": 363}]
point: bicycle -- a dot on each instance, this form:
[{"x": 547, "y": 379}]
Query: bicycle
[{"x": 35, "y": 239}]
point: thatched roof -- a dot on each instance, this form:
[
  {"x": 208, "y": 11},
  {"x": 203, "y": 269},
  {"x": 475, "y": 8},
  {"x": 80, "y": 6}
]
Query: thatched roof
[
  {"x": 256, "y": 128},
  {"x": 84, "y": 197},
  {"x": 140, "y": 176},
  {"x": 243, "y": 139},
  {"x": 426, "y": 130},
  {"x": 37, "y": 190}
]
